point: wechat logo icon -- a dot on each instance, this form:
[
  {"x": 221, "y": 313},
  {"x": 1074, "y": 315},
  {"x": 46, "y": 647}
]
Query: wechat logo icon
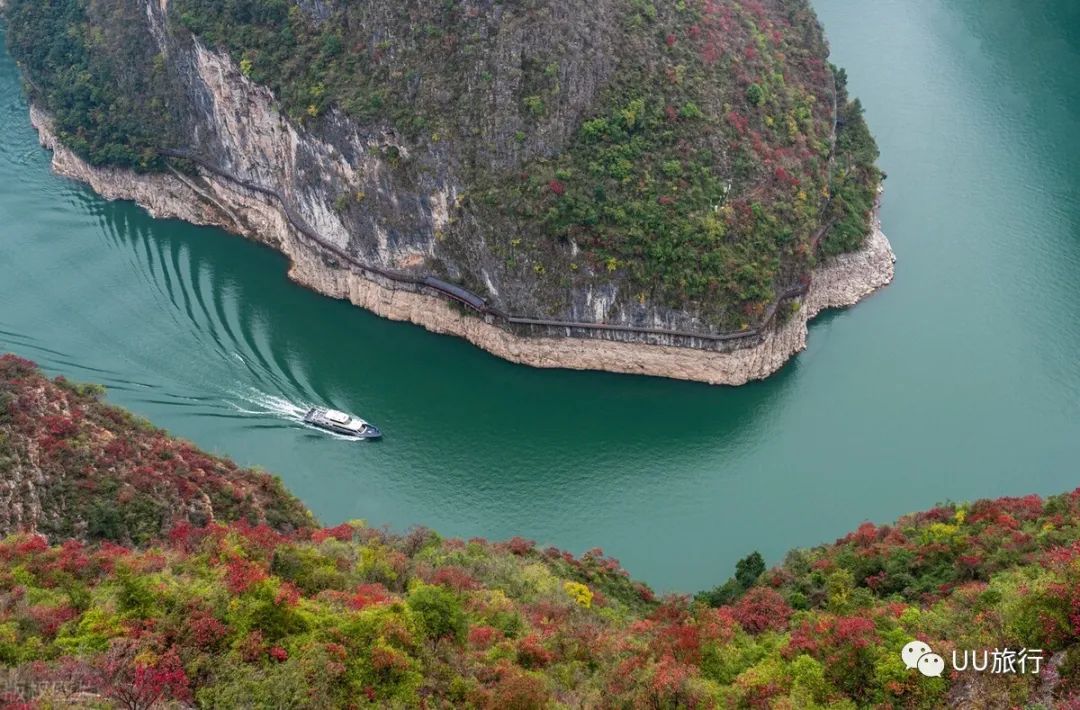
[{"x": 919, "y": 655}]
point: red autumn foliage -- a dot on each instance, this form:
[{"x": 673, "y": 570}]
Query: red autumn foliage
[
  {"x": 520, "y": 546},
  {"x": 866, "y": 534},
  {"x": 532, "y": 653},
  {"x": 483, "y": 637},
  {"x": 1063, "y": 555},
  {"x": 109, "y": 458},
  {"x": 49, "y": 619},
  {"x": 668, "y": 683},
  {"x": 645, "y": 592},
  {"x": 252, "y": 647},
  {"x": 680, "y": 640},
  {"x": 287, "y": 595},
  {"x": 739, "y": 122},
  {"x": 761, "y": 609},
  {"x": 242, "y": 575},
  {"x": 828, "y": 634},
  {"x": 343, "y": 532},
  {"x": 31, "y": 545},
  {"x": 336, "y": 651},
  {"x": 260, "y": 537},
  {"x": 121, "y": 675},
  {"x": 205, "y": 630},
  {"x": 519, "y": 690},
  {"x": 389, "y": 660},
  {"x": 369, "y": 594},
  {"x": 186, "y": 536},
  {"x": 10, "y": 700},
  {"x": 455, "y": 578}
]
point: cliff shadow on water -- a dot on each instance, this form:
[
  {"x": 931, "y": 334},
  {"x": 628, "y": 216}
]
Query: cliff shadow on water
[
  {"x": 287, "y": 344},
  {"x": 209, "y": 339},
  {"x": 220, "y": 312},
  {"x": 199, "y": 331},
  {"x": 367, "y": 209}
]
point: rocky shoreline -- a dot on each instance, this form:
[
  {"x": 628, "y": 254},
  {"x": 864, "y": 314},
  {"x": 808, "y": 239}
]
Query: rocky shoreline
[{"x": 210, "y": 200}]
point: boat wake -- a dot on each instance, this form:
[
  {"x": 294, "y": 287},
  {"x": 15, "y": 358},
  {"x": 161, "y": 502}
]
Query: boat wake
[{"x": 256, "y": 403}]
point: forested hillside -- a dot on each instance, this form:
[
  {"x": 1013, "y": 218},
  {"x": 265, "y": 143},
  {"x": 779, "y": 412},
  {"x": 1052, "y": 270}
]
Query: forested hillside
[
  {"x": 229, "y": 614},
  {"x": 75, "y": 467},
  {"x": 696, "y": 157}
]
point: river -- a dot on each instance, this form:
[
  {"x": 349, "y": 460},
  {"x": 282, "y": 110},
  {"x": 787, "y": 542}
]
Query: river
[{"x": 961, "y": 380}]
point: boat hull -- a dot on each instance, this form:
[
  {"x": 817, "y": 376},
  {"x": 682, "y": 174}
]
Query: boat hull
[{"x": 366, "y": 432}]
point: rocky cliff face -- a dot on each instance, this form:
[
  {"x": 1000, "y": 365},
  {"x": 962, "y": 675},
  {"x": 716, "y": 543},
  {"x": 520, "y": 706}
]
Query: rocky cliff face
[
  {"x": 411, "y": 204},
  {"x": 839, "y": 282},
  {"x": 365, "y": 189}
]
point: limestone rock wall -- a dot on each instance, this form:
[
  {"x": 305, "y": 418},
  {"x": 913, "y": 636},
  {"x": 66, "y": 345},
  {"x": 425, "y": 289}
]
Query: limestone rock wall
[{"x": 209, "y": 200}]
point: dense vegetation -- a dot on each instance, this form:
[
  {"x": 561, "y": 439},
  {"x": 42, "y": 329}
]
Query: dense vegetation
[
  {"x": 701, "y": 176},
  {"x": 102, "y": 80},
  {"x": 241, "y": 615},
  {"x": 854, "y": 178},
  {"x": 698, "y": 175},
  {"x": 76, "y": 467}
]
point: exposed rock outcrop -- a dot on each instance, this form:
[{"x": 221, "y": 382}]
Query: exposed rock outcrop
[{"x": 209, "y": 199}]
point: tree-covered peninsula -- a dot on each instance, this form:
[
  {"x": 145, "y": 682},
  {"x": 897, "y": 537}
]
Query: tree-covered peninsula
[
  {"x": 679, "y": 165},
  {"x": 250, "y": 604}
]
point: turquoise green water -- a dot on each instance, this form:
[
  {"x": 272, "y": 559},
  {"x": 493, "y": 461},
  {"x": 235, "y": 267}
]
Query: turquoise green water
[{"x": 959, "y": 381}]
